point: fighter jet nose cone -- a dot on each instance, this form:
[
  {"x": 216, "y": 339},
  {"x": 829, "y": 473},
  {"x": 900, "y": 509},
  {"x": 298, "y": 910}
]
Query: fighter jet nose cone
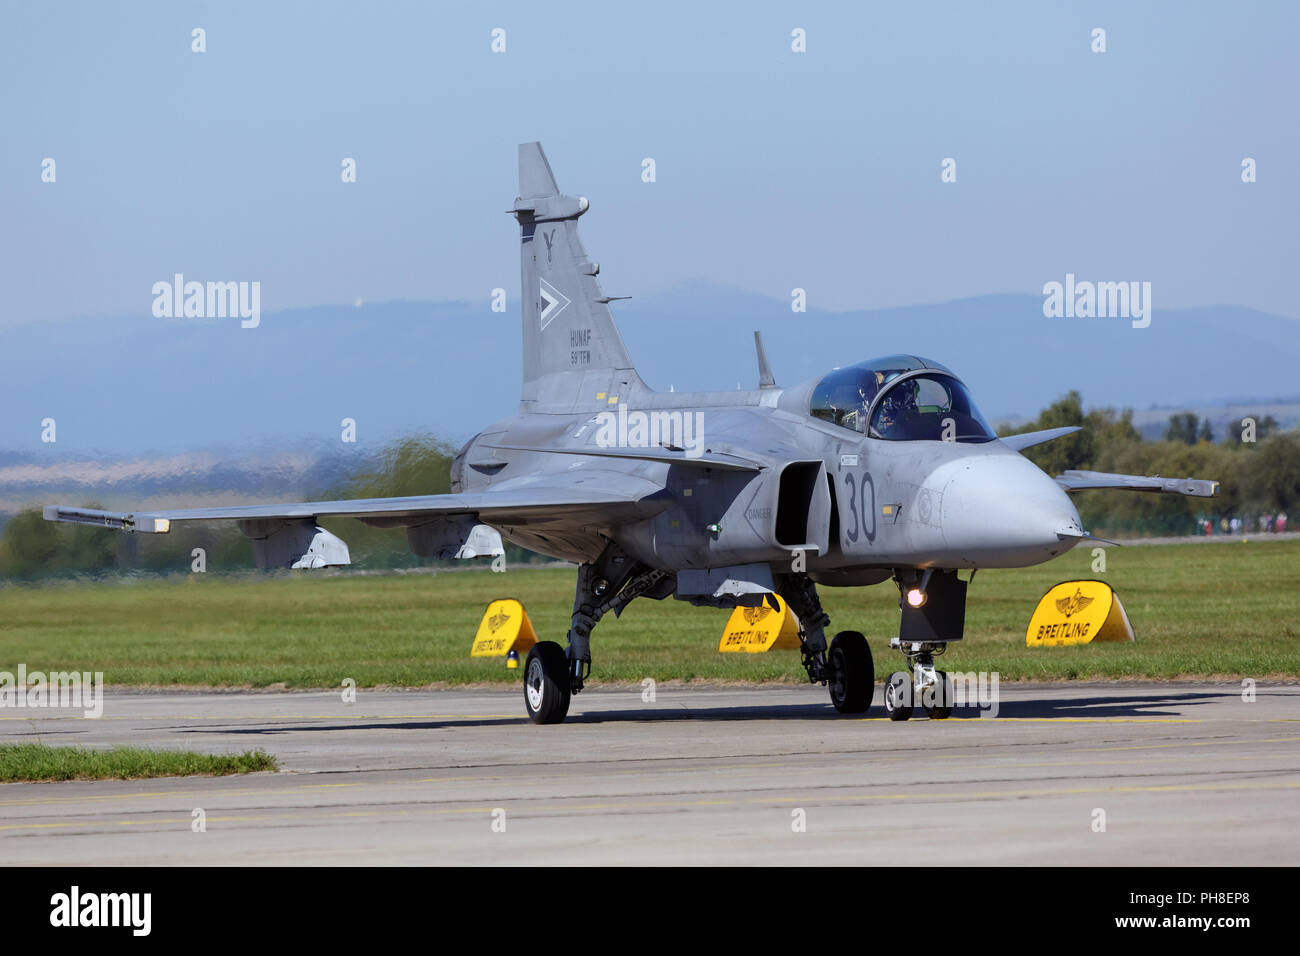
[{"x": 1004, "y": 511}]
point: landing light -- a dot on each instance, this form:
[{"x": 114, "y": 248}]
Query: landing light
[{"x": 915, "y": 597}]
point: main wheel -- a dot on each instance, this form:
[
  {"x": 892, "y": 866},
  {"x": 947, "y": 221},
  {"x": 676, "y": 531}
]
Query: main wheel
[
  {"x": 546, "y": 683},
  {"x": 852, "y": 677},
  {"x": 898, "y": 696},
  {"x": 941, "y": 706}
]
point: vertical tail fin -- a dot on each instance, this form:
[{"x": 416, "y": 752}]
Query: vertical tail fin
[{"x": 572, "y": 350}]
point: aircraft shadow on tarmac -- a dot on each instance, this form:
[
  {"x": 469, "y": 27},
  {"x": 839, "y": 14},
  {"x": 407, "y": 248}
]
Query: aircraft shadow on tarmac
[
  {"x": 1137, "y": 706},
  {"x": 1168, "y": 705},
  {"x": 380, "y": 723}
]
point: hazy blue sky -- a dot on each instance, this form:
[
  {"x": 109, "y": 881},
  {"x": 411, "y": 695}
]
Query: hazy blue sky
[{"x": 775, "y": 169}]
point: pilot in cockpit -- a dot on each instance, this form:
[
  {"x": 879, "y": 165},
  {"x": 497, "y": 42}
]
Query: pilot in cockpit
[{"x": 898, "y": 411}]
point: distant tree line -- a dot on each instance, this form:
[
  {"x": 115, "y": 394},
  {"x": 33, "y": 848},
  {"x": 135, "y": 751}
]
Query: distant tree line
[
  {"x": 1256, "y": 464},
  {"x": 1259, "y": 477},
  {"x": 32, "y": 547},
  {"x": 1185, "y": 427}
]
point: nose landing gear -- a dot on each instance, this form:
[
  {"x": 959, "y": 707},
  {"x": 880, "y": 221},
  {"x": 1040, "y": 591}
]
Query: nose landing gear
[
  {"x": 922, "y": 683},
  {"x": 933, "y": 605}
]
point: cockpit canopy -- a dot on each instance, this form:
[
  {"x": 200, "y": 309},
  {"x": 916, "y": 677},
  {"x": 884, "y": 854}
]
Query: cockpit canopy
[{"x": 900, "y": 398}]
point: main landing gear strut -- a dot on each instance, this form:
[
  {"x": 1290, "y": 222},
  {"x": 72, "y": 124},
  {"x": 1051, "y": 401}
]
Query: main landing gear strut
[
  {"x": 933, "y": 605},
  {"x": 552, "y": 674},
  {"x": 846, "y": 667}
]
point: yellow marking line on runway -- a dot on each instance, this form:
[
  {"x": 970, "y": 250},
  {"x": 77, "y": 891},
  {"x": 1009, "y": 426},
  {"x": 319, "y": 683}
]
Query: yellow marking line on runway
[
  {"x": 998, "y": 761},
  {"x": 1071, "y": 792},
  {"x": 240, "y": 819},
  {"x": 1144, "y": 762},
  {"x": 278, "y": 717},
  {"x": 281, "y": 791},
  {"x": 1065, "y": 720},
  {"x": 1009, "y": 763},
  {"x": 1190, "y": 743},
  {"x": 234, "y": 792},
  {"x": 676, "y": 804},
  {"x": 639, "y": 771},
  {"x": 129, "y": 823}
]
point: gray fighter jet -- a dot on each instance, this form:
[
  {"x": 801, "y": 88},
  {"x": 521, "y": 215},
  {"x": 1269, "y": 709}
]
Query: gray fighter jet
[{"x": 883, "y": 470}]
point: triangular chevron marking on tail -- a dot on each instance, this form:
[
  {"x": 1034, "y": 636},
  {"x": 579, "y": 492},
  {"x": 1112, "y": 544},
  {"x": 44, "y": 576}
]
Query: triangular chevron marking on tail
[{"x": 555, "y": 302}]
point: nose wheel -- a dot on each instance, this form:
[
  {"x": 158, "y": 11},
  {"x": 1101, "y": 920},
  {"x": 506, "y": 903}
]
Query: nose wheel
[
  {"x": 941, "y": 709},
  {"x": 898, "y": 696},
  {"x": 931, "y": 688}
]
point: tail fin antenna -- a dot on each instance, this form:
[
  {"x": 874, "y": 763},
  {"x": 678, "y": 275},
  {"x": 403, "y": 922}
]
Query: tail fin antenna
[{"x": 765, "y": 379}]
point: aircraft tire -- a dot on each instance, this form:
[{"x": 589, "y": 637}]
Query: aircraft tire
[
  {"x": 898, "y": 696},
  {"x": 546, "y": 683},
  {"x": 944, "y": 710},
  {"x": 852, "y": 680}
]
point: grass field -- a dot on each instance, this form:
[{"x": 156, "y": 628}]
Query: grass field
[
  {"x": 39, "y": 762},
  {"x": 1208, "y": 609}
]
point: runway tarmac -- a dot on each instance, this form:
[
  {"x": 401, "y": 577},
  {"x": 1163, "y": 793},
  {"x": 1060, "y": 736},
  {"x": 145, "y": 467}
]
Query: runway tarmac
[{"x": 1185, "y": 774}]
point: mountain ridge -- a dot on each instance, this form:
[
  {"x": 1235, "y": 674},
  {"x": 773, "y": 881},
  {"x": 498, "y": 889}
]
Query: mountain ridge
[{"x": 138, "y": 386}]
